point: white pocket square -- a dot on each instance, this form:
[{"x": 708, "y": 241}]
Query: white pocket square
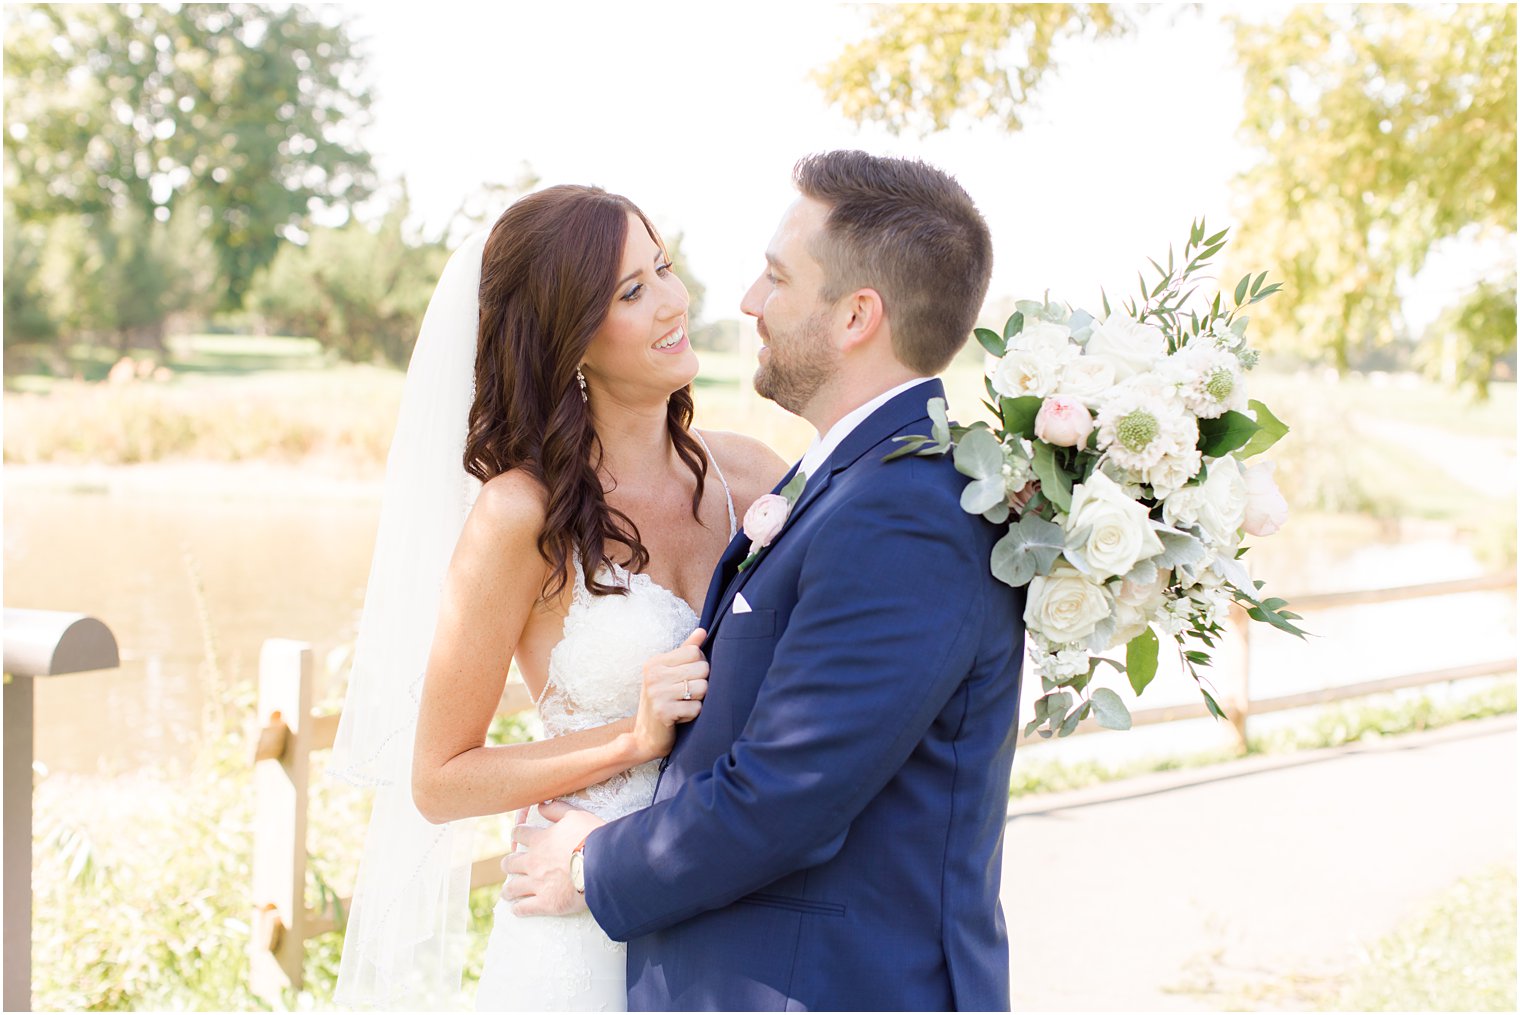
[{"x": 740, "y": 605}]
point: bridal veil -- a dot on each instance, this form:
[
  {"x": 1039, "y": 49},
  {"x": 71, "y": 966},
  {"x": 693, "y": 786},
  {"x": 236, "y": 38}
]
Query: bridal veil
[{"x": 405, "y": 939}]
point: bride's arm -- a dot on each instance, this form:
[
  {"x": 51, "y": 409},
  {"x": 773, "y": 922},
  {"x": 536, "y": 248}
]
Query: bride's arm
[{"x": 493, "y": 582}]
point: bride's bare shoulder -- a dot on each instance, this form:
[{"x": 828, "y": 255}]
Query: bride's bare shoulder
[
  {"x": 749, "y": 465},
  {"x": 511, "y": 508}
]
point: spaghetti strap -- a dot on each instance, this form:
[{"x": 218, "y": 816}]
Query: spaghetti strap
[{"x": 733, "y": 524}]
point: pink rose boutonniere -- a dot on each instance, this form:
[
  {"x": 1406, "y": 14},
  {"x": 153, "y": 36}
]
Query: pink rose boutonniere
[{"x": 767, "y": 516}]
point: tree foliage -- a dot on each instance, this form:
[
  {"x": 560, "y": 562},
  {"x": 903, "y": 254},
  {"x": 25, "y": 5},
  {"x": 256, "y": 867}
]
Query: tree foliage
[
  {"x": 1383, "y": 130},
  {"x": 923, "y": 66},
  {"x": 245, "y": 110},
  {"x": 360, "y": 290}
]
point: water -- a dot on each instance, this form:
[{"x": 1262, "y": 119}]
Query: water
[{"x": 287, "y": 555}]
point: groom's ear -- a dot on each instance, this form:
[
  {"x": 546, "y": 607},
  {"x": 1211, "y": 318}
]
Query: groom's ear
[{"x": 866, "y": 319}]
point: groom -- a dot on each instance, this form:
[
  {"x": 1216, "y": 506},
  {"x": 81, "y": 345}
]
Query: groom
[{"x": 828, "y": 833}]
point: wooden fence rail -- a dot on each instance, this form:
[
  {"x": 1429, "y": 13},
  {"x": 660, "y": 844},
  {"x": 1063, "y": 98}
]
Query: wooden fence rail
[{"x": 290, "y": 732}]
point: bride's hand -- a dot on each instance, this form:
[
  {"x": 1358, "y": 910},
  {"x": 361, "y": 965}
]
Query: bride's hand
[{"x": 675, "y": 683}]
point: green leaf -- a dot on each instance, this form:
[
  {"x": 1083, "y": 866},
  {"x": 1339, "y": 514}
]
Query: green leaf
[
  {"x": 910, "y": 445},
  {"x": 1271, "y": 430},
  {"x": 1141, "y": 654},
  {"x": 1218, "y": 437},
  {"x": 1019, "y": 414},
  {"x": 1110, "y": 710},
  {"x": 1214, "y": 708},
  {"x": 1013, "y": 325},
  {"x": 792, "y": 490},
  {"x": 1074, "y": 720},
  {"x": 991, "y": 341},
  {"x": 1027, "y": 549},
  {"x": 998, "y": 513},
  {"x": 938, "y": 414},
  {"x": 980, "y": 456},
  {"x": 1055, "y": 484},
  {"x": 1241, "y": 287},
  {"x": 981, "y": 495}
]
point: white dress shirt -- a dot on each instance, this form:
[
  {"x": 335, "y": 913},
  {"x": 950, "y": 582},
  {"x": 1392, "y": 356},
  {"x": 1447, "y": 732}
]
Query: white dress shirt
[{"x": 824, "y": 446}]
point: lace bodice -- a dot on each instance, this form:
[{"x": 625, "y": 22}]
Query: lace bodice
[{"x": 595, "y": 671}]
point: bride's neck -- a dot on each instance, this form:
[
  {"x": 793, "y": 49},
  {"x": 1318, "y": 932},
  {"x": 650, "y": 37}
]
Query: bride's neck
[{"x": 635, "y": 439}]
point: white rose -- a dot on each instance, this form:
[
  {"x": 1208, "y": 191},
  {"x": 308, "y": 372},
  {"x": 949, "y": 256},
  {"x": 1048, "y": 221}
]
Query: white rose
[
  {"x": 1224, "y": 503},
  {"x": 1132, "y": 347},
  {"x": 1026, "y": 372},
  {"x": 1044, "y": 336},
  {"x": 1064, "y": 606},
  {"x": 1107, "y": 532},
  {"x": 1087, "y": 378},
  {"x": 1266, "y": 510}
]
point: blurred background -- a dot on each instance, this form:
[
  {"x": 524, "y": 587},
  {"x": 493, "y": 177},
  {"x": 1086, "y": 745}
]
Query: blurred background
[{"x": 223, "y": 222}]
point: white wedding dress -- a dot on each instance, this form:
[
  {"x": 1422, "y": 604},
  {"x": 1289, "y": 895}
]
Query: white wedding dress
[{"x": 551, "y": 963}]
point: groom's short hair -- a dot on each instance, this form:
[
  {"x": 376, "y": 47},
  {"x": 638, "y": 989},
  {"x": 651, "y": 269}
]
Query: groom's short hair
[{"x": 909, "y": 231}]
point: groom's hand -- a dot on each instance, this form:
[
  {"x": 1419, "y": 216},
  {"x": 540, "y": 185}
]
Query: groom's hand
[{"x": 538, "y": 878}]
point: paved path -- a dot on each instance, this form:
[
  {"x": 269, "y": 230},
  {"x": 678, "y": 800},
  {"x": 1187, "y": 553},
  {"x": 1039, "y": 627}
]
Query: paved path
[{"x": 1170, "y": 893}]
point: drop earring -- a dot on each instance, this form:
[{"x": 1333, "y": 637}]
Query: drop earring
[{"x": 580, "y": 379}]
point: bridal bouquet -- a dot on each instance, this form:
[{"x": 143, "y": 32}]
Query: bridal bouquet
[{"x": 1133, "y": 431}]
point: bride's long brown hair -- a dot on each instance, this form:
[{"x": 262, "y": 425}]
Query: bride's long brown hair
[{"x": 548, "y": 278}]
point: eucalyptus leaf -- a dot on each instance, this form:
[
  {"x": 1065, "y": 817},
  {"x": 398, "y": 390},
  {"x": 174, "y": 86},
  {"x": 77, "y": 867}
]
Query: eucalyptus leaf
[
  {"x": 1081, "y": 325},
  {"x": 1060, "y": 704},
  {"x": 998, "y": 513},
  {"x": 981, "y": 495},
  {"x": 938, "y": 413},
  {"x": 980, "y": 456},
  {"x": 1110, "y": 710},
  {"x": 1027, "y": 549},
  {"x": 1144, "y": 572},
  {"x": 1069, "y": 726},
  {"x": 1141, "y": 655},
  {"x": 1055, "y": 484},
  {"x": 1029, "y": 308}
]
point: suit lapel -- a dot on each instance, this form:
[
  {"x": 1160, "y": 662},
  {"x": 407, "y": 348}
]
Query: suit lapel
[
  {"x": 728, "y": 565},
  {"x": 899, "y": 412}
]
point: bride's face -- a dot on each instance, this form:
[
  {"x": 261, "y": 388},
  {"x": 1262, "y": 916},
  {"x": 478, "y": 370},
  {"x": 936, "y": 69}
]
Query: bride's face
[{"x": 641, "y": 352}]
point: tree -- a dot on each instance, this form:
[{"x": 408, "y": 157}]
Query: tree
[
  {"x": 360, "y": 290},
  {"x": 922, "y": 66},
  {"x": 1383, "y": 131},
  {"x": 248, "y": 111}
]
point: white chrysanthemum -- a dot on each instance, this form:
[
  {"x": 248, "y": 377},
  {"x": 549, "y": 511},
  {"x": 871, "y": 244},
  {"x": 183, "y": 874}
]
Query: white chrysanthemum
[
  {"x": 1138, "y": 426},
  {"x": 1211, "y": 381}
]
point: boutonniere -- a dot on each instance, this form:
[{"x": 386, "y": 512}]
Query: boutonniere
[{"x": 767, "y": 516}]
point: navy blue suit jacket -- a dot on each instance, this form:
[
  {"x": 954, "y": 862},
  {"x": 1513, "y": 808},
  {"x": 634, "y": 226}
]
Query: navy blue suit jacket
[{"x": 828, "y": 833}]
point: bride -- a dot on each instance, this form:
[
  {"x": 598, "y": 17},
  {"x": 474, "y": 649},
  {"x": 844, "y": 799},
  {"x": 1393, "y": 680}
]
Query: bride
[{"x": 547, "y": 502}]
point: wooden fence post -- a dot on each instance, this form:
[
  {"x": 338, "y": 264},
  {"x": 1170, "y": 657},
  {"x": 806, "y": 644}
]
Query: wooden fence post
[
  {"x": 1233, "y": 658},
  {"x": 281, "y": 786}
]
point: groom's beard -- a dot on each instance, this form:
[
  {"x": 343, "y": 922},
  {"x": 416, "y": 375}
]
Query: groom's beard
[{"x": 800, "y": 362}]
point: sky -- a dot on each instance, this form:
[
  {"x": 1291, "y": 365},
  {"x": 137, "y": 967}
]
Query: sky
[{"x": 698, "y": 111}]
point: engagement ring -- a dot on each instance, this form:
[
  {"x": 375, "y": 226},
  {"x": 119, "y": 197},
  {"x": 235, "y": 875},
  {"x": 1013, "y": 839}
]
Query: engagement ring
[{"x": 687, "y": 695}]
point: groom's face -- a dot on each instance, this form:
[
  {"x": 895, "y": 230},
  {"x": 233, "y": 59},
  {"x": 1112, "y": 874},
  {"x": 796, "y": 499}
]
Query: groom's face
[{"x": 798, "y": 354}]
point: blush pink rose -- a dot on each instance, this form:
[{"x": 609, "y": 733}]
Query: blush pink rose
[
  {"x": 764, "y": 519},
  {"x": 1063, "y": 421},
  {"x": 1266, "y": 510}
]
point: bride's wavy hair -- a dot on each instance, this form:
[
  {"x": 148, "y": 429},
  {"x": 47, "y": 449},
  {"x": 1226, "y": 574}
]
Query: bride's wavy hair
[{"x": 547, "y": 281}]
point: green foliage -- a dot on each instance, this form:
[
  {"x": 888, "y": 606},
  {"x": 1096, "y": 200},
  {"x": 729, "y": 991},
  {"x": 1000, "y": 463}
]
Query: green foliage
[
  {"x": 29, "y": 317},
  {"x": 359, "y": 290},
  {"x": 246, "y": 110},
  {"x": 1385, "y": 130},
  {"x": 920, "y": 67},
  {"x": 1472, "y": 336}
]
